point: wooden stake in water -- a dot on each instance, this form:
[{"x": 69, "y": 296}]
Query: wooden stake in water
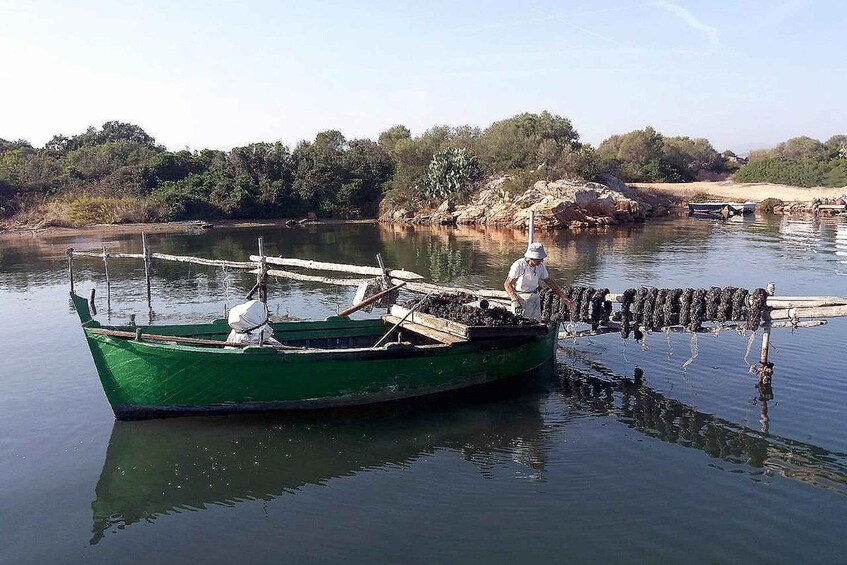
[
  {"x": 531, "y": 226},
  {"x": 148, "y": 267},
  {"x": 70, "y": 253},
  {"x": 765, "y": 368},
  {"x": 262, "y": 275},
  {"x": 108, "y": 282}
]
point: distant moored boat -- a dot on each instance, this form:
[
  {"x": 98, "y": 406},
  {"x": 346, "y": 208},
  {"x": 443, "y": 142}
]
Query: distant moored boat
[{"x": 725, "y": 209}]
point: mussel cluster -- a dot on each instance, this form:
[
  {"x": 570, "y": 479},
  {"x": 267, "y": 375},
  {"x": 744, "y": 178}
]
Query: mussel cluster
[
  {"x": 590, "y": 305},
  {"x": 654, "y": 308},
  {"x": 452, "y": 306}
]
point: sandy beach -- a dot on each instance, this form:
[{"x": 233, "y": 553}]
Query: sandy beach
[{"x": 728, "y": 190}]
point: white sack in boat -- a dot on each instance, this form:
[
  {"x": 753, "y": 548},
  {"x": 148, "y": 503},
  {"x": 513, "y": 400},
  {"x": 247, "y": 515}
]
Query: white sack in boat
[{"x": 249, "y": 323}]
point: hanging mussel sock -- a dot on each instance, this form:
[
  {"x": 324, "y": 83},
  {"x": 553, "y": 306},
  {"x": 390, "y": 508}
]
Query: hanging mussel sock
[
  {"x": 759, "y": 300},
  {"x": 659, "y": 309},
  {"x": 698, "y": 310},
  {"x": 685, "y": 306},
  {"x": 672, "y": 306},
  {"x": 739, "y": 305},
  {"x": 713, "y": 302},
  {"x": 626, "y": 312},
  {"x": 725, "y": 306}
]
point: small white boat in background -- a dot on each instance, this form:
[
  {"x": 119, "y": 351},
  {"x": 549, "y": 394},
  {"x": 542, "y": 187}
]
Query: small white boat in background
[{"x": 724, "y": 209}]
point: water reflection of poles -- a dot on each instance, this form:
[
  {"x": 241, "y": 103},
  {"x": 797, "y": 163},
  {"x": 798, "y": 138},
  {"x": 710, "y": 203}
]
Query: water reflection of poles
[
  {"x": 764, "y": 420},
  {"x": 653, "y": 414}
]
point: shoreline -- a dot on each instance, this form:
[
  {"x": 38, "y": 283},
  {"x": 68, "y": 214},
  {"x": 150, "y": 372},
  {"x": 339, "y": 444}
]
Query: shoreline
[
  {"x": 171, "y": 227},
  {"x": 741, "y": 192},
  {"x": 722, "y": 190}
]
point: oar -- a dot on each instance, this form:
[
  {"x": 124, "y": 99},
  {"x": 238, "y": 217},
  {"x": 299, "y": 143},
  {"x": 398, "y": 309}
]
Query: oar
[{"x": 369, "y": 300}]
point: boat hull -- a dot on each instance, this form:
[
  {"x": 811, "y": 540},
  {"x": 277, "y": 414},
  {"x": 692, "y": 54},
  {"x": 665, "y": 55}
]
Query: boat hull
[{"x": 143, "y": 379}]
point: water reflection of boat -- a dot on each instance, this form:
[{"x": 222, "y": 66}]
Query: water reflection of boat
[
  {"x": 669, "y": 420},
  {"x": 159, "y": 467}
]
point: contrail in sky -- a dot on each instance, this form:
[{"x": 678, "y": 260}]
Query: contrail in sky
[{"x": 691, "y": 20}]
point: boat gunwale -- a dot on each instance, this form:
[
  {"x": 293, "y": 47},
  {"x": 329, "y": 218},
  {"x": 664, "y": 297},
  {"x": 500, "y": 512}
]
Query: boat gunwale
[
  {"x": 258, "y": 349},
  {"x": 390, "y": 349}
]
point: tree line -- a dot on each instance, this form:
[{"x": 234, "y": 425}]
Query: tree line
[{"x": 119, "y": 173}]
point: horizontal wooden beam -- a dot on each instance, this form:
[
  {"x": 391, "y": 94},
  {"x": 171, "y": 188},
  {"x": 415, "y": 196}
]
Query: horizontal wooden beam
[
  {"x": 177, "y": 258},
  {"x": 814, "y": 312},
  {"x": 312, "y": 278},
  {"x": 322, "y": 266}
]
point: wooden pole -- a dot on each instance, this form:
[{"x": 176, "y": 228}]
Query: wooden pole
[
  {"x": 91, "y": 304},
  {"x": 322, "y": 266},
  {"x": 108, "y": 281},
  {"x": 370, "y": 300},
  {"x": 531, "y": 226},
  {"x": 262, "y": 276},
  {"x": 70, "y": 253},
  {"x": 148, "y": 267},
  {"x": 765, "y": 368},
  {"x": 803, "y": 312},
  {"x": 386, "y": 278}
]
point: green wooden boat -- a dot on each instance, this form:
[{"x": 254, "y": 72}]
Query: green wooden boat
[{"x": 151, "y": 371}]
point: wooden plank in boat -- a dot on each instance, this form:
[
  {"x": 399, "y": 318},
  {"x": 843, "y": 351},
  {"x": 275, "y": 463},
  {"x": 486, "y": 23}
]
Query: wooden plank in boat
[
  {"x": 439, "y": 336},
  {"x": 468, "y": 332}
]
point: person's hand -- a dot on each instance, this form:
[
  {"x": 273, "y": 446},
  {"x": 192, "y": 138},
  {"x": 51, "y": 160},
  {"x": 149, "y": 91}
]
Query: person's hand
[
  {"x": 518, "y": 305},
  {"x": 568, "y": 302}
]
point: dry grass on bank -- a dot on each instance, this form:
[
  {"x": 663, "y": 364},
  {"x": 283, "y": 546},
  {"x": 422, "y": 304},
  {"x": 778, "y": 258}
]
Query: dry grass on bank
[
  {"x": 728, "y": 190},
  {"x": 82, "y": 210}
]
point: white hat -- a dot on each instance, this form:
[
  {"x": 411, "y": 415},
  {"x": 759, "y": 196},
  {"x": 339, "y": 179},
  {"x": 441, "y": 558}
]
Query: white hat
[{"x": 535, "y": 251}]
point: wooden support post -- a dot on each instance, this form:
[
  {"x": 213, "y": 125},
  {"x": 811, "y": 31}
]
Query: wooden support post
[
  {"x": 91, "y": 305},
  {"x": 765, "y": 371},
  {"x": 108, "y": 281},
  {"x": 386, "y": 279},
  {"x": 262, "y": 275},
  {"x": 531, "y": 226},
  {"x": 148, "y": 268},
  {"x": 70, "y": 253}
]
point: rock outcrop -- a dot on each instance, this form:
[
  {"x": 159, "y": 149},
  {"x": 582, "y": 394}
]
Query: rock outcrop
[{"x": 559, "y": 204}]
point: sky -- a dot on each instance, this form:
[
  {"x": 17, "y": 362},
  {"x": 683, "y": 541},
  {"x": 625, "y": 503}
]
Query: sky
[{"x": 744, "y": 74}]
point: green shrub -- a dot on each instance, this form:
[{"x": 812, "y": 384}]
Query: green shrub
[
  {"x": 781, "y": 170},
  {"x": 450, "y": 174},
  {"x": 182, "y": 200}
]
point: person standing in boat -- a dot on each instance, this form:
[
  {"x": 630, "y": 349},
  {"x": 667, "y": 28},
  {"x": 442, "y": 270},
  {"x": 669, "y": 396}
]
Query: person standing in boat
[{"x": 522, "y": 283}]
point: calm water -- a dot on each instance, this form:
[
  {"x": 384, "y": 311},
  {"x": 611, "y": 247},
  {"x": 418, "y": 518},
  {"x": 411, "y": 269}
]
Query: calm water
[{"x": 578, "y": 465}]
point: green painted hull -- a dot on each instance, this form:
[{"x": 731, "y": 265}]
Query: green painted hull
[{"x": 148, "y": 379}]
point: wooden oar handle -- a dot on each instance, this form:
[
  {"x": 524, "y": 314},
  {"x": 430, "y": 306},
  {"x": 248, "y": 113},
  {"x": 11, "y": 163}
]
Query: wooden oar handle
[{"x": 369, "y": 300}]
